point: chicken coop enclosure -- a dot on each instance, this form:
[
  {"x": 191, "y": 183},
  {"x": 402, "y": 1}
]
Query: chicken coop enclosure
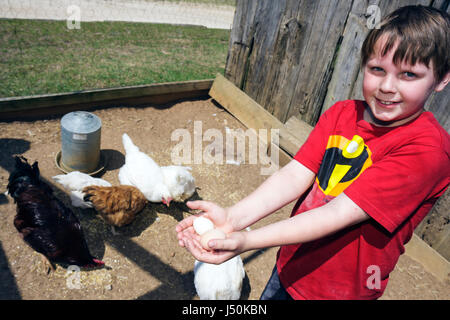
[
  {"x": 144, "y": 261},
  {"x": 280, "y": 74}
]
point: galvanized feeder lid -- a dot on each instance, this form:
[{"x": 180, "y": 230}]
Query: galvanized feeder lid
[
  {"x": 80, "y": 143},
  {"x": 81, "y": 122}
]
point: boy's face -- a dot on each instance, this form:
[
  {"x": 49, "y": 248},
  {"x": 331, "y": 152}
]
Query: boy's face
[{"x": 396, "y": 94}]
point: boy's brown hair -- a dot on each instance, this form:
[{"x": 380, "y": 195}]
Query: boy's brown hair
[{"x": 423, "y": 35}]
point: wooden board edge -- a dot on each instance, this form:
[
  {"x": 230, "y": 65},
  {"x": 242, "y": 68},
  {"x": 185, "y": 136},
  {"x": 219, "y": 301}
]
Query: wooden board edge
[
  {"x": 241, "y": 106},
  {"x": 102, "y": 96},
  {"x": 157, "y": 101},
  {"x": 248, "y": 112},
  {"x": 254, "y": 116},
  {"x": 430, "y": 259}
]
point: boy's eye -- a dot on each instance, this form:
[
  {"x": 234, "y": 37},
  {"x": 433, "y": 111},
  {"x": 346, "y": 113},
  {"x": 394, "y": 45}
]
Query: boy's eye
[
  {"x": 409, "y": 74},
  {"x": 376, "y": 69}
]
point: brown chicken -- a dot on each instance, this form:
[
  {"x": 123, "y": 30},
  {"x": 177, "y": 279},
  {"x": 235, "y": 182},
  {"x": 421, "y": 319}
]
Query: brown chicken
[{"x": 117, "y": 205}]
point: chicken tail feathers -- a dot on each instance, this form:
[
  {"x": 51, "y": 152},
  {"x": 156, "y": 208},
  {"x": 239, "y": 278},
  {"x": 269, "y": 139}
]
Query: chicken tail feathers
[{"x": 128, "y": 144}]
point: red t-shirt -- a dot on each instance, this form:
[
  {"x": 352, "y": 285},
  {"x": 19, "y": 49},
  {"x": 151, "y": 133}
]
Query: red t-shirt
[{"x": 394, "y": 174}]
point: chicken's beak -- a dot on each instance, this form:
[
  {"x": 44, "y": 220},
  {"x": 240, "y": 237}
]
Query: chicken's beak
[{"x": 167, "y": 201}]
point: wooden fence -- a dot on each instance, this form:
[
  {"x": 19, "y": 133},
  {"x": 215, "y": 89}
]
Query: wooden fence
[{"x": 298, "y": 57}]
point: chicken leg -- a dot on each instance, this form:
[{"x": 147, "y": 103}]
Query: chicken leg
[
  {"x": 113, "y": 231},
  {"x": 47, "y": 264}
]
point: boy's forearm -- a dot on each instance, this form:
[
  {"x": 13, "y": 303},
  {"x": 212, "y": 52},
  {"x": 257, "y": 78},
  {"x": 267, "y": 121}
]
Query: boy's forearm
[
  {"x": 338, "y": 214},
  {"x": 284, "y": 186}
]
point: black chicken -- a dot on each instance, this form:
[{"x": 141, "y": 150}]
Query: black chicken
[{"x": 44, "y": 222}]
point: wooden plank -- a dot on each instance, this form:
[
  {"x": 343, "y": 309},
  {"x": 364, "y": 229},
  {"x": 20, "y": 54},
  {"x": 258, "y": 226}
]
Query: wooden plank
[
  {"x": 289, "y": 142},
  {"x": 435, "y": 229},
  {"x": 346, "y": 68},
  {"x": 157, "y": 101},
  {"x": 291, "y": 135},
  {"x": 300, "y": 129},
  {"x": 241, "y": 42},
  {"x": 438, "y": 104},
  {"x": 246, "y": 110},
  {"x": 297, "y": 58},
  {"x": 100, "y": 96},
  {"x": 440, "y": 101},
  {"x": 240, "y": 105},
  {"x": 324, "y": 28},
  {"x": 432, "y": 261},
  {"x": 290, "y": 47}
]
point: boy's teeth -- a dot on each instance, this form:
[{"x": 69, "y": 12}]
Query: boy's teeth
[{"x": 387, "y": 102}]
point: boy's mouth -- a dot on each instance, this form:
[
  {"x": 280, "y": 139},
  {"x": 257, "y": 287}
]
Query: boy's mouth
[{"x": 386, "y": 103}]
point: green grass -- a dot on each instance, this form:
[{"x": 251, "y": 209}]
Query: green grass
[{"x": 42, "y": 57}]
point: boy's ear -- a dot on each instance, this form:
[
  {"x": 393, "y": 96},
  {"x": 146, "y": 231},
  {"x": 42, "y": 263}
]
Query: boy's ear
[{"x": 441, "y": 85}]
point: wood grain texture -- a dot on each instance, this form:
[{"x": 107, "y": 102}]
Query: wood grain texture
[{"x": 297, "y": 58}]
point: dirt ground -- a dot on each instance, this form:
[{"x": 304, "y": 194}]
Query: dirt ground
[{"x": 144, "y": 261}]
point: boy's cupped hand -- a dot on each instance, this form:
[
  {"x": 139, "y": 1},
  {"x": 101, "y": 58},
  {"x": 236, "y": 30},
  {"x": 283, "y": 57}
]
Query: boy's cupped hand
[{"x": 222, "y": 249}]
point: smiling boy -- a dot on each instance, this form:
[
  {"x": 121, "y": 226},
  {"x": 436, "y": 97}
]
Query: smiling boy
[
  {"x": 369, "y": 172},
  {"x": 399, "y": 76}
]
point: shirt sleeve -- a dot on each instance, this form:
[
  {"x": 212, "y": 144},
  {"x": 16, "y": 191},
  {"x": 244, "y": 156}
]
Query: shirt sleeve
[{"x": 396, "y": 186}]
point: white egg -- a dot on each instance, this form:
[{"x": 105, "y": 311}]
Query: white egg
[
  {"x": 211, "y": 234},
  {"x": 202, "y": 225}
]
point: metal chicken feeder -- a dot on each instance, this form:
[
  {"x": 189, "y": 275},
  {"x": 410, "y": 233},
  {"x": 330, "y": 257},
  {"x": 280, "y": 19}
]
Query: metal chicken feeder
[{"x": 80, "y": 143}]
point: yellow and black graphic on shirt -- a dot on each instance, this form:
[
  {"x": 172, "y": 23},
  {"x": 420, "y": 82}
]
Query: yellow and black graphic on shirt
[{"x": 344, "y": 160}]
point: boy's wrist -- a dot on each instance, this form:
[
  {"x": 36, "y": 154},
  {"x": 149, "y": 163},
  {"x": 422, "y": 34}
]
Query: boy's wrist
[
  {"x": 235, "y": 219},
  {"x": 248, "y": 242},
  {"x": 229, "y": 212},
  {"x": 244, "y": 243}
]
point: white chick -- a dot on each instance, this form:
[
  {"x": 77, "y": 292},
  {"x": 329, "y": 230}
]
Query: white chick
[
  {"x": 219, "y": 282},
  {"x": 74, "y": 182},
  {"x": 77, "y": 180},
  {"x": 179, "y": 181},
  {"x": 216, "y": 282},
  {"x": 143, "y": 172}
]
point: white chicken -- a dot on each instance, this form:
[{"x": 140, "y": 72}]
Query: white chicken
[
  {"x": 143, "y": 172},
  {"x": 219, "y": 282},
  {"x": 74, "y": 182},
  {"x": 158, "y": 184},
  {"x": 179, "y": 181}
]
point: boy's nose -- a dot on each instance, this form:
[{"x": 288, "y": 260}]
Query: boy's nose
[{"x": 387, "y": 84}]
